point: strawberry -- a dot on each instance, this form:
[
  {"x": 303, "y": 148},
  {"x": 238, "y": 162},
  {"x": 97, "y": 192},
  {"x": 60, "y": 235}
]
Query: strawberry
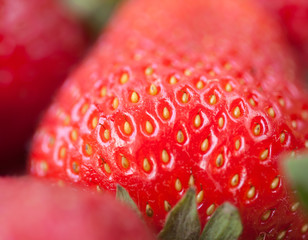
[
  {"x": 293, "y": 15},
  {"x": 33, "y": 209},
  {"x": 40, "y": 41},
  {"x": 180, "y": 93}
]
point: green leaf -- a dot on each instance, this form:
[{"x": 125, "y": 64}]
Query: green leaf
[
  {"x": 225, "y": 224},
  {"x": 123, "y": 196},
  {"x": 182, "y": 222},
  {"x": 297, "y": 171},
  {"x": 94, "y": 13}
]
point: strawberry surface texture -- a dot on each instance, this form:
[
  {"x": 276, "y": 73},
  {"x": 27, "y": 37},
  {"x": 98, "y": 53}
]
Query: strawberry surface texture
[
  {"x": 179, "y": 93},
  {"x": 39, "y": 43},
  {"x": 34, "y": 210}
]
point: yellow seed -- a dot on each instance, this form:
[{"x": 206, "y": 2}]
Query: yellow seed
[
  {"x": 103, "y": 92},
  {"x": 213, "y": 99},
  {"x": 266, "y": 215},
  {"x": 237, "y": 144},
  {"x": 137, "y": 56},
  {"x": 212, "y": 73},
  {"x": 98, "y": 189},
  {"x": 261, "y": 236},
  {"x": 185, "y": 97},
  {"x": 264, "y": 154},
  {"x": 153, "y": 89},
  {"x": 228, "y": 66},
  {"x": 107, "y": 134},
  {"x": 134, "y": 97},
  {"x": 234, "y": 180},
  {"x": 149, "y": 127},
  {"x": 187, "y": 72},
  {"x": 281, "y": 235},
  {"x": 115, "y": 103},
  {"x": 124, "y": 78},
  {"x": 294, "y": 207},
  {"x": 228, "y": 87},
  {"x": 61, "y": 183},
  {"x": 219, "y": 160},
  {"x": 197, "y": 121},
  {"x": 51, "y": 141},
  {"x": 306, "y": 144},
  {"x": 200, "y": 196},
  {"x": 275, "y": 183},
  {"x": 165, "y": 156},
  {"x": 75, "y": 167},
  {"x": 178, "y": 185},
  {"x": 220, "y": 122},
  {"x": 84, "y": 108},
  {"x": 191, "y": 181},
  {"x": 166, "y": 113},
  {"x": 44, "y": 166},
  {"x": 199, "y": 64},
  {"x": 281, "y": 102},
  {"x": 180, "y": 137},
  {"x": 294, "y": 124},
  {"x": 210, "y": 209},
  {"x": 88, "y": 149},
  {"x": 305, "y": 114},
  {"x": 107, "y": 168},
  {"x": 149, "y": 210},
  {"x": 252, "y": 102},
  {"x": 173, "y": 80},
  {"x": 94, "y": 122},
  {"x": 304, "y": 228},
  {"x": 205, "y": 145},
  {"x": 149, "y": 71},
  {"x": 67, "y": 120},
  {"x": 236, "y": 112},
  {"x": 62, "y": 152},
  {"x": 146, "y": 165},
  {"x": 124, "y": 162},
  {"x": 257, "y": 130},
  {"x": 271, "y": 112},
  {"x": 200, "y": 84},
  {"x": 74, "y": 135},
  {"x": 282, "y": 137},
  {"x": 251, "y": 192},
  {"x": 127, "y": 128},
  {"x": 167, "y": 206}
]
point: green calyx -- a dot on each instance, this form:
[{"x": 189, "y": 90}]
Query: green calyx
[
  {"x": 224, "y": 224},
  {"x": 182, "y": 222},
  {"x": 123, "y": 196},
  {"x": 296, "y": 169},
  {"x": 94, "y": 13}
]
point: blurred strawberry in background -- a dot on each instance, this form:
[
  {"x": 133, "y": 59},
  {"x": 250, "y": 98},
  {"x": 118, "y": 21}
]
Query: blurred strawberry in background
[
  {"x": 293, "y": 16},
  {"x": 35, "y": 210},
  {"x": 40, "y": 41}
]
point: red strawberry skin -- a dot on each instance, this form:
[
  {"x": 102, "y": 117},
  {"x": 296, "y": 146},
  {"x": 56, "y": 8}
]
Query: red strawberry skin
[
  {"x": 293, "y": 15},
  {"x": 40, "y": 41},
  {"x": 34, "y": 210},
  {"x": 174, "y": 100}
]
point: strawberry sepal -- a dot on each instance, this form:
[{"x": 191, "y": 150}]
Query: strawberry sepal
[
  {"x": 225, "y": 224},
  {"x": 182, "y": 222}
]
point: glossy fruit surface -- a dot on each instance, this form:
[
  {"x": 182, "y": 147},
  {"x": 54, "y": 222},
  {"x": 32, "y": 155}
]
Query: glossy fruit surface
[
  {"x": 174, "y": 100},
  {"x": 34, "y": 210},
  {"x": 39, "y": 43}
]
